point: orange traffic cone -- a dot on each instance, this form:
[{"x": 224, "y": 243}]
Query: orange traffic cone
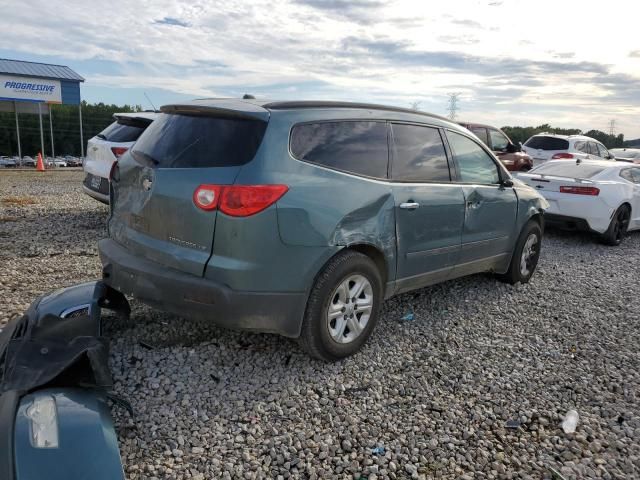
[{"x": 40, "y": 164}]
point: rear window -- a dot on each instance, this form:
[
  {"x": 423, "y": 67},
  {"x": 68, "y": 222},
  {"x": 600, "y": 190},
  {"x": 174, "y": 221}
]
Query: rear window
[
  {"x": 194, "y": 141},
  {"x": 547, "y": 143},
  {"x": 353, "y": 146},
  {"x": 117, "y": 132},
  {"x": 569, "y": 169}
]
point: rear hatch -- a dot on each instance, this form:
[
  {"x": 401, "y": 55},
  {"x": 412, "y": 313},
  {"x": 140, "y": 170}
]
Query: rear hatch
[
  {"x": 541, "y": 147},
  {"x": 153, "y": 210}
]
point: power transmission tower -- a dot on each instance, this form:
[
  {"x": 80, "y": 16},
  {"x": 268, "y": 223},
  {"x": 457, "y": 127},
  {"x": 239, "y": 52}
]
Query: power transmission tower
[
  {"x": 612, "y": 127},
  {"x": 453, "y": 105}
]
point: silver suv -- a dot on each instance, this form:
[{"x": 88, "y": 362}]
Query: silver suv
[{"x": 550, "y": 146}]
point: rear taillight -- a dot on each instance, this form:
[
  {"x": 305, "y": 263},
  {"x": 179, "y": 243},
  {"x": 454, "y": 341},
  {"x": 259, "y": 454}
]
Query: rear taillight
[
  {"x": 593, "y": 191},
  {"x": 119, "y": 151},
  {"x": 238, "y": 200},
  {"x": 559, "y": 156}
]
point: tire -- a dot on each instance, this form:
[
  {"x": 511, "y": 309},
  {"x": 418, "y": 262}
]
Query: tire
[
  {"x": 618, "y": 227},
  {"x": 333, "y": 328},
  {"x": 520, "y": 269}
]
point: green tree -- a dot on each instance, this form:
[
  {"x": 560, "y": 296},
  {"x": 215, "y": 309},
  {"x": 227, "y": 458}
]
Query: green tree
[{"x": 66, "y": 128}]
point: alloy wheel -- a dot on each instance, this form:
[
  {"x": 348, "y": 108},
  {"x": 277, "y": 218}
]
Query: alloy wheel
[{"x": 350, "y": 307}]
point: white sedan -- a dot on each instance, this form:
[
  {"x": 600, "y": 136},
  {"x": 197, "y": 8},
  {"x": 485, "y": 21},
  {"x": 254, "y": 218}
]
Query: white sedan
[{"x": 598, "y": 196}]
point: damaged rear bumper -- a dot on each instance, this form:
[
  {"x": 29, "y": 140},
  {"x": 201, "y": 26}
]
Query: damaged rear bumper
[
  {"x": 198, "y": 297},
  {"x": 56, "y": 350}
]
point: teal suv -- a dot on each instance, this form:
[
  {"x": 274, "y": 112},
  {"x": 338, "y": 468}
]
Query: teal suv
[{"x": 300, "y": 218}]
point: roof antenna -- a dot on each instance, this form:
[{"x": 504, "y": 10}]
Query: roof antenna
[
  {"x": 578, "y": 161},
  {"x": 247, "y": 96},
  {"x": 154, "y": 107}
]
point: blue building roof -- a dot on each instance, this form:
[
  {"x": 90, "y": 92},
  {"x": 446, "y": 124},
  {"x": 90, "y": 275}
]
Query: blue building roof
[{"x": 33, "y": 69}]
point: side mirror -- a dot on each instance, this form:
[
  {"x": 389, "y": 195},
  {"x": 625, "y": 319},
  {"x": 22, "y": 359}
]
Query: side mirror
[
  {"x": 507, "y": 182},
  {"x": 511, "y": 148}
]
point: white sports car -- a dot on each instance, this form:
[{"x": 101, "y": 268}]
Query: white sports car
[{"x": 597, "y": 196}]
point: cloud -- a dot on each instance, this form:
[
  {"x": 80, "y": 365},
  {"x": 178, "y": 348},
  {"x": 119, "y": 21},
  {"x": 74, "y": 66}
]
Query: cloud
[
  {"x": 634, "y": 54},
  {"x": 359, "y": 11},
  {"x": 171, "y": 21},
  {"x": 468, "y": 23}
]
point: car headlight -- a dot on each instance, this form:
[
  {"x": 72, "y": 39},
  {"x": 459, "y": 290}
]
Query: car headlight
[{"x": 44, "y": 422}]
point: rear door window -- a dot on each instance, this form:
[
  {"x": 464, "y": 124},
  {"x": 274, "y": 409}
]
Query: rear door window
[
  {"x": 542, "y": 142},
  {"x": 197, "y": 141},
  {"x": 419, "y": 155},
  {"x": 581, "y": 147},
  {"x": 593, "y": 148},
  {"x": 481, "y": 133},
  {"x": 475, "y": 165},
  {"x": 498, "y": 141},
  {"x": 358, "y": 147}
]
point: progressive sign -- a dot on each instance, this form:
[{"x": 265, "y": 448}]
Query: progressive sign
[{"x": 30, "y": 89}]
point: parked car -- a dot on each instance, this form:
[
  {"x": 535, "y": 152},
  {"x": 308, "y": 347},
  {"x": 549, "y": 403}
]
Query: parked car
[
  {"x": 107, "y": 147},
  {"x": 508, "y": 153},
  {"x": 300, "y": 218},
  {"x": 6, "y": 162},
  {"x": 550, "y": 146},
  {"x": 72, "y": 161},
  {"x": 28, "y": 161},
  {"x": 626, "y": 154},
  {"x": 55, "y": 162},
  {"x": 597, "y": 196}
]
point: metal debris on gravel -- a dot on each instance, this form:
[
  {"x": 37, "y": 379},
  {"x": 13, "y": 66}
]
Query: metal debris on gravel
[{"x": 431, "y": 398}]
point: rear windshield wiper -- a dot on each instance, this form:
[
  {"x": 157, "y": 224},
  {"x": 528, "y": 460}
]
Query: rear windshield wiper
[
  {"x": 144, "y": 158},
  {"x": 100, "y": 135}
]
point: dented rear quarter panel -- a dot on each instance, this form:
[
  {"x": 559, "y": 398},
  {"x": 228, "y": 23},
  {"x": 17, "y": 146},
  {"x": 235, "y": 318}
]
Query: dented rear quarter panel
[{"x": 324, "y": 210}]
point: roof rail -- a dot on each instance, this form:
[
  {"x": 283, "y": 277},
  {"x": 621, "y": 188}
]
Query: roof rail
[{"x": 286, "y": 105}]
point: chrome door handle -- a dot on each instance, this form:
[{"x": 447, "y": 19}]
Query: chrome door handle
[{"x": 409, "y": 205}]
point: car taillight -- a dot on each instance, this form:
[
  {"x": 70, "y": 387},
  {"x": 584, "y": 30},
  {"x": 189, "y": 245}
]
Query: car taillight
[
  {"x": 119, "y": 151},
  {"x": 558, "y": 156},
  {"x": 593, "y": 191},
  {"x": 238, "y": 200}
]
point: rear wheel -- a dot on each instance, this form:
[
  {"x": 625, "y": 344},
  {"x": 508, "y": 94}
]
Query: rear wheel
[
  {"x": 343, "y": 307},
  {"x": 618, "y": 226},
  {"x": 525, "y": 256}
]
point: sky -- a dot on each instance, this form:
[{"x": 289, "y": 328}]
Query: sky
[{"x": 512, "y": 62}]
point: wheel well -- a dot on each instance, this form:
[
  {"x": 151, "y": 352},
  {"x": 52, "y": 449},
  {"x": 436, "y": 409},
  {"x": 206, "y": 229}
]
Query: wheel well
[
  {"x": 376, "y": 255},
  {"x": 538, "y": 218},
  {"x": 628, "y": 205}
]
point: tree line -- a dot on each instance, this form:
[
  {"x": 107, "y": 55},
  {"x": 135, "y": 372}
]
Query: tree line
[{"x": 66, "y": 128}]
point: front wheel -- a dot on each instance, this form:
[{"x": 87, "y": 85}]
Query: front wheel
[
  {"x": 618, "y": 226},
  {"x": 343, "y": 307},
  {"x": 525, "y": 255}
]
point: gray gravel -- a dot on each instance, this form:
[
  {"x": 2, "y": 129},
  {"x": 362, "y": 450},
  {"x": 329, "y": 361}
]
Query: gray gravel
[{"x": 476, "y": 386}]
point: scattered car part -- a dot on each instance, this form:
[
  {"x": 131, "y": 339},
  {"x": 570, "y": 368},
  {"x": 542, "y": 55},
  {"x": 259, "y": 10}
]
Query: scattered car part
[{"x": 54, "y": 378}]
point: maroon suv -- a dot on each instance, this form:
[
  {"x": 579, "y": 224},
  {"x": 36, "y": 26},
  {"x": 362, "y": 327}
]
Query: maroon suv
[{"x": 510, "y": 154}]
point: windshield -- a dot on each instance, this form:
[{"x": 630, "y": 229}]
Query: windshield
[
  {"x": 188, "y": 141},
  {"x": 540, "y": 142}
]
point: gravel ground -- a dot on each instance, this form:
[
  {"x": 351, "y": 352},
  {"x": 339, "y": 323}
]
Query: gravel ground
[{"x": 474, "y": 387}]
